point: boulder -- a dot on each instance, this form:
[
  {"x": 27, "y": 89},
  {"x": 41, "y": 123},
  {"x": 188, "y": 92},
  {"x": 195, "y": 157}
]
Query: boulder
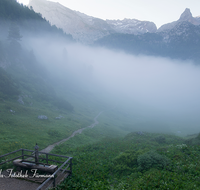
[
  {"x": 42, "y": 117},
  {"x": 20, "y": 100},
  {"x": 60, "y": 116}
]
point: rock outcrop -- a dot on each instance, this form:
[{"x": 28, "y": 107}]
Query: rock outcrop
[{"x": 132, "y": 26}]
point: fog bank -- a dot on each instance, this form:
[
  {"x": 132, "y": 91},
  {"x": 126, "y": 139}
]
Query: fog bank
[{"x": 164, "y": 89}]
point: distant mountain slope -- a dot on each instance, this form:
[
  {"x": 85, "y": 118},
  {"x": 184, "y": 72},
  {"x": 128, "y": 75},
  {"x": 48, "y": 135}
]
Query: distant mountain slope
[
  {"x": 182, "y": 42},
  {"x": 82, "y": 27},
  {"x": 179, "y": 39},
  {"x": 86, "y": 28}
]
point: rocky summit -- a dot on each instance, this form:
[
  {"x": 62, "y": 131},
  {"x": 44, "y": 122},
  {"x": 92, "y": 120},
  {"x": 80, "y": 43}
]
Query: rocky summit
[{"x": 185, "y": 16}]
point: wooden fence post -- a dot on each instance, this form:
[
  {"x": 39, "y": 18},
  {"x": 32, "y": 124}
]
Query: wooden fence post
[
  {"x": 47, "y": 158},
  {"x": 54, "y": 181},
  {"x": 71, "y": 166},
  {"x": 36, "y": 154},
  {"x": 22, "y": 154}
]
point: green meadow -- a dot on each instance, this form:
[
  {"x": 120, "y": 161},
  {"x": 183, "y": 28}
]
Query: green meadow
[{"x": 147, "y": 161}]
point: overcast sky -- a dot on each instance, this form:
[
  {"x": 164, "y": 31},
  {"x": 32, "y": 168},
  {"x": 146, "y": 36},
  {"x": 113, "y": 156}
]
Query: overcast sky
[{"x": 158, "y": 11}]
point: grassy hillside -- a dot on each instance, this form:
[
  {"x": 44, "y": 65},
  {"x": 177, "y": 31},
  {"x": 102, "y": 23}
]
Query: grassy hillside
[
  {"x": 25, "y": 85},
  {"x": 27, "y": 92}
]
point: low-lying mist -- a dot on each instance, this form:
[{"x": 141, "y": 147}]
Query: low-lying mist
[{"x": 163, "y": 93}]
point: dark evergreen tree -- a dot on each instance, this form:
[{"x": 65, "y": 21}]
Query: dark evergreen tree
[
  {"x": 14, "y": 37},
  {"x": 14, "y": 32}
]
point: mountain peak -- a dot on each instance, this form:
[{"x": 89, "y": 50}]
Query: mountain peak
[{"x": 186, "y": 15}]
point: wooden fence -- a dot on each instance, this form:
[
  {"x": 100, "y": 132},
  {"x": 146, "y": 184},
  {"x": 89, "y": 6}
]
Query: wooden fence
[{"x": 60, "y": 174}]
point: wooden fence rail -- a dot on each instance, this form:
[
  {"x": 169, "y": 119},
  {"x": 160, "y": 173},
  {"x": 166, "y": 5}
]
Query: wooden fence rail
[{"x": 54, "y": 175}]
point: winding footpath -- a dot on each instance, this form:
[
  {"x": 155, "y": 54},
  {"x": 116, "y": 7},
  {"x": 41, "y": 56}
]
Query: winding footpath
[{"x": 79, "y": 131}]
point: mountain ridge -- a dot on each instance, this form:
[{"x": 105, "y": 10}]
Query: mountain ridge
[
  {"x": 84, "y": 28},
  {"x": 87, "y": 29},
  {"x": 170, "y": 40}
]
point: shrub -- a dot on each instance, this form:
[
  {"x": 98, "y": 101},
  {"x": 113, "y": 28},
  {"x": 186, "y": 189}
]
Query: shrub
[
  {"x": 152, "y": 159},
  {"x": 160, "y": 139},
  {"x": 53, "y": 133},
  {"x": 126, "y": 162}
]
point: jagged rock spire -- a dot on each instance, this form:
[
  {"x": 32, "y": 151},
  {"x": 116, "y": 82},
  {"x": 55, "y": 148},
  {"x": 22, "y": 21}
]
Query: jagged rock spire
[{"x": 186, "y": 15}]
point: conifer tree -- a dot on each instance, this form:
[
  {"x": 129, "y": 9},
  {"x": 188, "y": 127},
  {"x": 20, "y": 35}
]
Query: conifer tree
[
  {"x": 14, "y": 32},
  {"x": 14, "y": 37}
]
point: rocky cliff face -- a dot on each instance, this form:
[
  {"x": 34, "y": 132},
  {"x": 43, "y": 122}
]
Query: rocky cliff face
[
  {"x": 132, "y": 26},
  {"x": 82, "y": 27},
  {"x": 86, "y": 28},
  {"x": 185, "y": 16}
]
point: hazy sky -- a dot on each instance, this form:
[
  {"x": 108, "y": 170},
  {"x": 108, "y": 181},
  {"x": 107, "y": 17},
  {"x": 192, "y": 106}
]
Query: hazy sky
[{"x": 158, "y": 11}]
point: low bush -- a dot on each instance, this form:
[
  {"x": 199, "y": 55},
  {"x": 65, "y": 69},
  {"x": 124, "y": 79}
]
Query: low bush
[
  {"x": 53, "y": 133},
  {"x": 160, "y": 139},
  {"x": 152, "y": 159},
  {"x": 126, "y": 162}
]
